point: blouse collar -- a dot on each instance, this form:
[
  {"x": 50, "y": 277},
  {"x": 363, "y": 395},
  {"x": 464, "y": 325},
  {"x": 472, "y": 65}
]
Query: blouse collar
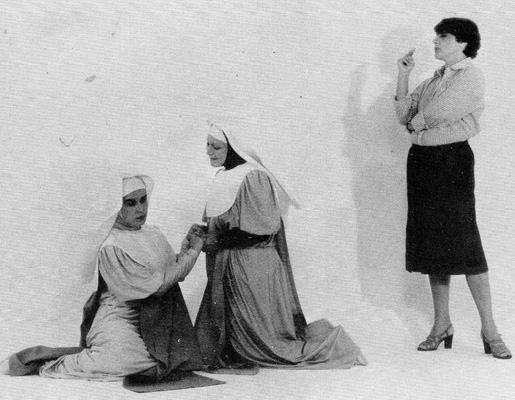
[{"x": 465, "y": 63}]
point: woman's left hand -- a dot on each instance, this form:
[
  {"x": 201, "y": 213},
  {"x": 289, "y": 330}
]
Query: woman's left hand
[
  {"x": 197, "y": 230},
  {"x": 211, "y": 243},
  {"x": 196, "y": 242}
]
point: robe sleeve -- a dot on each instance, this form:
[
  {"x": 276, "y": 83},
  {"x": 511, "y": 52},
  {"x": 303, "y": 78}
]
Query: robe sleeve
[
  {"x": 126, "y": 278},
  {"x": 185, "y": 262},
  {"x": 256, "y": 206},
  {"x": 178, "y": 270}
]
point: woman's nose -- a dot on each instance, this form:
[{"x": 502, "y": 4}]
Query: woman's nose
[
  {"x": 139, "y": 207},
  {"x": 435, "y": 40}
]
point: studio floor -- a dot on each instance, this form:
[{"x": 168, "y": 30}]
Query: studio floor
[{"x": 395, "y": 371}]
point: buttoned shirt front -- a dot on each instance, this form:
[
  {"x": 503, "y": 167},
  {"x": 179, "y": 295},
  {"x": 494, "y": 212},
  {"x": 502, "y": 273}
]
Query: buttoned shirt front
[{"x": 445, "y": 108}]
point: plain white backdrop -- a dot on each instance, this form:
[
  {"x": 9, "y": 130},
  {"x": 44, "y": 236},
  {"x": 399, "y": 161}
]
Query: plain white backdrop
[{"x": 91, "y": 89}]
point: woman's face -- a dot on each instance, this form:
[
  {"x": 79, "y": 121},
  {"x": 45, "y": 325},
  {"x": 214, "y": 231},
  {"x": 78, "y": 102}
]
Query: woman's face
[
  {"x": 134, "y": 208},
  {"x": 447, "y": 48},
  {"x": 217, "y": 151}
]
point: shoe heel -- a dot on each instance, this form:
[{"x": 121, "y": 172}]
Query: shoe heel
[
  {"x": 447, "y": 342},
  {"x": 488, "y": 348}
]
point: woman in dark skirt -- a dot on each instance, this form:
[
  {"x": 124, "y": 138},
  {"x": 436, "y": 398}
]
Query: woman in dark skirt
[{"x": 442, "y": 238}]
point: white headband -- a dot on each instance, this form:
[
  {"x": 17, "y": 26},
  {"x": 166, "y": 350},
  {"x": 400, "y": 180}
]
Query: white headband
[
  {"x": 216, "y": 132},
  {"x": 131, "y": 184}
]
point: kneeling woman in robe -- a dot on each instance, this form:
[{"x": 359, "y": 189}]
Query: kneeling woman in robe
[
  {"x": 137, "y": 320},
  {"x": 250, "y": 313}
]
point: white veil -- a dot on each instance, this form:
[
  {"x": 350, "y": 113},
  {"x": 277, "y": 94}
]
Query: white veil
[
  {"x": 89, "y": 240},
  {"x": 240, "y": 142}
]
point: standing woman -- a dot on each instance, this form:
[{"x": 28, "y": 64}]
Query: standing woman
[
  {"x": 442, "y": 235},
  {"x": 250, "y": 313}
]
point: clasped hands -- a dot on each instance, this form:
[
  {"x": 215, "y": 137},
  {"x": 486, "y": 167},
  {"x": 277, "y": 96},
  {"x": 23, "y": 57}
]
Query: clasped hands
[
  {"x": 199, "y": 239},
  {"x": 195, "y": 238}
]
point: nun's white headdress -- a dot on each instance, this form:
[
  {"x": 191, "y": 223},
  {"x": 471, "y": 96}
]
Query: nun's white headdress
[
  {"x": 93, "y": 239},
  {"x": 225, "y": 186}
]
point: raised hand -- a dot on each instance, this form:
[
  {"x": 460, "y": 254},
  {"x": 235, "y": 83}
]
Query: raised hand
[{"x": 406, "y": 63}]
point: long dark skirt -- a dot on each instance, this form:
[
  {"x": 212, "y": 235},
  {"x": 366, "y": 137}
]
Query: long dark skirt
[{"x": 442, "y": 237}]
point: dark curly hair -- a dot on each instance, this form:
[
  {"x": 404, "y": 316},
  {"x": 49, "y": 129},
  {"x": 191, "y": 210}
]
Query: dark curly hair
[{"x": 465, "y": 31}]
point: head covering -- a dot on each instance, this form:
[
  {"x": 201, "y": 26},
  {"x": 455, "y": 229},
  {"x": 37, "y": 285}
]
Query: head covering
[
  {"x": 226, "y": 198},
  {"x": 232, "y": 159},
  {"x": 216, "y": 132},
  {"x": 94, "y": 239},
  {"x": 131, "y": 184}
]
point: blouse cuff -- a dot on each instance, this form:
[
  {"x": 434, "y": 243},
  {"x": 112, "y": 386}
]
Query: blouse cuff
[{"x": 419, "y": 123}]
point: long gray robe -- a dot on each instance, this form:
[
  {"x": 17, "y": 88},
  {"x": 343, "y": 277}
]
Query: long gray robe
[{"x": 250, "y": 310}]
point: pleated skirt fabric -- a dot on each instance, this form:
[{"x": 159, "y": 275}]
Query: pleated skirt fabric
[{"x": 442, "y": 237}]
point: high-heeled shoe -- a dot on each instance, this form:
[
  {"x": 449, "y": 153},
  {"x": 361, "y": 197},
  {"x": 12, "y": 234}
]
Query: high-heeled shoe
[
  {"x": 433, "y": 341},
  {"x": 496, "y": 347}
]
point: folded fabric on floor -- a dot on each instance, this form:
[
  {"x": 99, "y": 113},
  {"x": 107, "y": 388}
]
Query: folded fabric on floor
[
  {"x": 176, "y": 381},
  {"x": 28, "y": 361}
]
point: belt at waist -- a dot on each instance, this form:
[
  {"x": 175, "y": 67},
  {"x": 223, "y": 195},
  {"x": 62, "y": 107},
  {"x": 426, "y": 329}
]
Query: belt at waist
[{"x": 238, "y": 239}]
